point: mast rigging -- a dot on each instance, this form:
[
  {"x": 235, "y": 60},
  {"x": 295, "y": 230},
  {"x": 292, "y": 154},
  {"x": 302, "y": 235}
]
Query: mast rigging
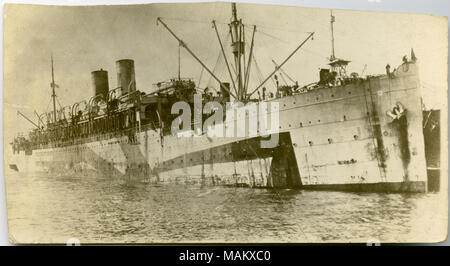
[
  {"x": 53, "y": 86},
  {"x": 224, "y": 56},
  {"x": 283, "y": 72},
  {"x": 183, "y": 44},
  {"x": 238, "y": 48},
  {"x": 285, "y": 60},
  {"x": 247, "y": 71},
  {"x": 29, "y": 120}
]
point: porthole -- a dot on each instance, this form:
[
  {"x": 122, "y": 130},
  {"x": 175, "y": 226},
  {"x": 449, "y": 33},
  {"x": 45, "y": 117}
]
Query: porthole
[{"x": 310, "y": 143}]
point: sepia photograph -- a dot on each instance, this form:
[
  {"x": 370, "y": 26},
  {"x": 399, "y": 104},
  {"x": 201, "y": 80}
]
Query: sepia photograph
[{"x": 224, "y": 122}]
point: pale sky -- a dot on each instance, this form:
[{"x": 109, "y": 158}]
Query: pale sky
[{"x": 84, "y": 39}]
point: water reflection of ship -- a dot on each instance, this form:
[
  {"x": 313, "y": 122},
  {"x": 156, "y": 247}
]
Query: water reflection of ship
[{"x": 343, "y": 132}]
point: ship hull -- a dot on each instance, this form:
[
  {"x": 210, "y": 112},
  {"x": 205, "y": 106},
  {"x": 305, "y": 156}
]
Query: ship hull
[{"x": 338, "y": 138}]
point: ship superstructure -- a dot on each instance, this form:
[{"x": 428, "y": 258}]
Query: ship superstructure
[{"x": 343, "y": 132}]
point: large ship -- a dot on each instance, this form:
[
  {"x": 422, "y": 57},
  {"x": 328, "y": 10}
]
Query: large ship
[{"x": 343, "y": 132}]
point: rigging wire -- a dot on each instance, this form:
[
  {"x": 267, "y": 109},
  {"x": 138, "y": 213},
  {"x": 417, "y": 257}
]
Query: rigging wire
[
  {"x": 200, "y": 78},
  {"x": 48, "y": 105},
  {"x": 216, "y": 64},
  {"x": 321, "y": 55},
  {"x": 262, "y": 33},
  {"x": 268, "y": 35},
  {"x": 281, "y": 28},
  {"x": 57, "y": 100},
  {"x": 284, "y": 29},
  {"x": 259, "y": 72},
  {"x": 317, "y": 22},
  {"x": 213, "y": 70},
  {"x": 193, "y": 21}
]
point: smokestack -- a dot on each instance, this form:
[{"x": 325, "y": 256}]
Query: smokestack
[
  {"x": 125, "y": 76},
  {"x": 100, "y": 83}
]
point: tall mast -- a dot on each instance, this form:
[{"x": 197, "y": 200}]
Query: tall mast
[
  {"x": 53, "y": 85},
  {"x": 332, "y": 57},
  {"x": 337, "y": 65},
  {"x": 238, "y": 47}
]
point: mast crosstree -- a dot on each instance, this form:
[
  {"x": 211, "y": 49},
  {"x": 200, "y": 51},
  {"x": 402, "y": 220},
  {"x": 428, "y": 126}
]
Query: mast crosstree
[{"x": 339, "y": 66}]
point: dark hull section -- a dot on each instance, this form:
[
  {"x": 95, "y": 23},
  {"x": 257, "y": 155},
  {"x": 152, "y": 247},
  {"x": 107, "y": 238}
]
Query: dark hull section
[
  {"x": 239, "y": 163},
  {"x": 284, "y": 167},
  {"x": 400, "y": 187}
]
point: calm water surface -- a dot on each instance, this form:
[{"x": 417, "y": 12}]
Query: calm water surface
[{"x": 53, "y": 209}]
